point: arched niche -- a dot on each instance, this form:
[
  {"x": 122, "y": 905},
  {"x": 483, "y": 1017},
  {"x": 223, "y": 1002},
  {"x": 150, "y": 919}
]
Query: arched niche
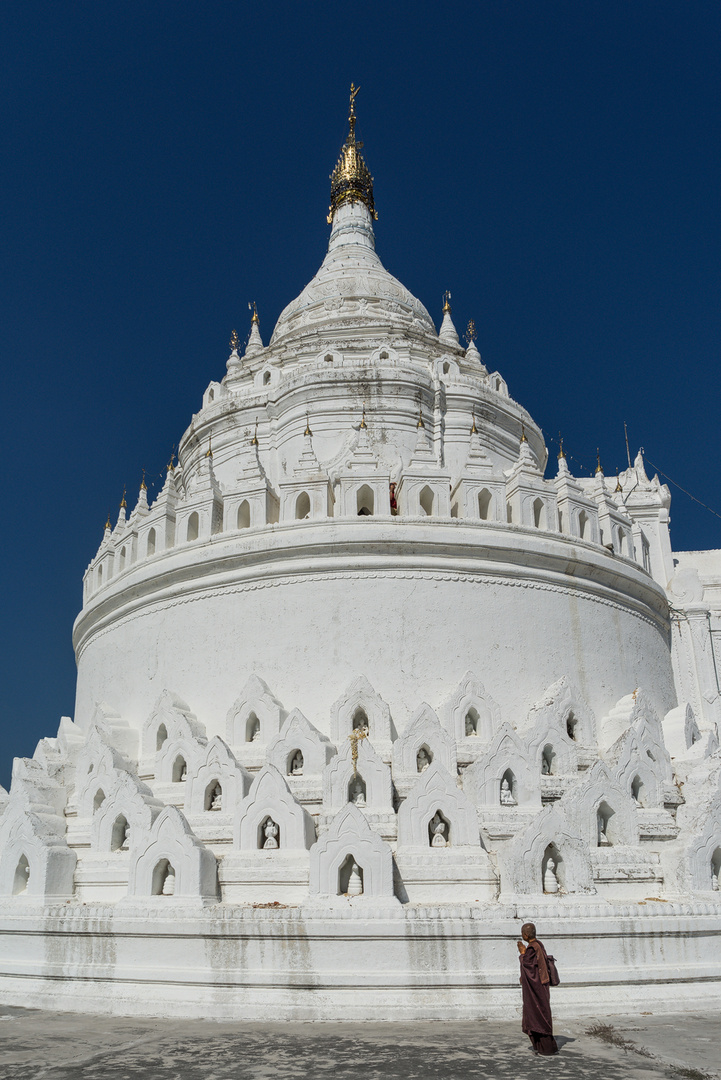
[
  {"x": 271, "y": 798},
  {"x": 365, "y": 501},
  {"x": 302, "y": 506},
  {"x": 485, "y": 505},
  {"x": 349, "y": 834},
  {"x": 243, "y": 517},
  {"x": 426, "y": 500},
  {"x": 193, "y": 527}
]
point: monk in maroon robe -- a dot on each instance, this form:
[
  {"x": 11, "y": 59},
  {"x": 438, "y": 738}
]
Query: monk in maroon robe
[{"x": 535, "y": 987}]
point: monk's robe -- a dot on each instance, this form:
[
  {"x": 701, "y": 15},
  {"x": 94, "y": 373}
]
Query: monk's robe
[{"x": 537, "y": 1021}]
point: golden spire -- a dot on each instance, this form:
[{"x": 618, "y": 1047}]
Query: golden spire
[
  {"x": 420, "y": 423},
  {"x": 523, "y": 433},
  {"x": 143, "y": 485},
  {"x": 363, "y": 418},
  {"x": 474, "y": 429},
  {"x": 254, "y": 440},
  {"x": 234, "y": 341},
  {"x": 618, "y": 484},
  {"x": 307, "y": 426},
  {"x": 171, "y": 467},
  {"x": 561, "y": 451},
  {"x": 351, "y": 180},
  {"x": 255, "y": 320},
  {"x": 123, "y": 503},
  {"x": 471, "y": 333},
  {"x": 598, "y": 462},
  {"x": 107, "y": 523},
  {"x": 209, "y": 451},
  {"x": 446, "y": 303}
]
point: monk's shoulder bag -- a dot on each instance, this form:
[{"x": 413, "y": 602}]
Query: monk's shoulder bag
[{"x": 553, "y": 976}]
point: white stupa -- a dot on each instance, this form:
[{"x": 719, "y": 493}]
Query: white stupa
[{"x": 361, "y": 689}]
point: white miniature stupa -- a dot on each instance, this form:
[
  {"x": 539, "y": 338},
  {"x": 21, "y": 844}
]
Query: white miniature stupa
[{"x": 363, "y": 689}]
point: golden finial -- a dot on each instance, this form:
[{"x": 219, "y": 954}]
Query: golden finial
[
  {"x": 255, "y": 320},
  {"x": 254, "y": 440},
  {"x": 561, "y": 451},
  {"x": 107, "y": 523},
  {"x": 234, "y": 342},
  {"x": 446, "y": 303},
  {"x": 143, "y": 485},
  {"x": 363, "y": 418},
  {"x": 474, "y": 429},
  {"x": 471, "y": 334},
  {"x": 618, "y": 484},
  {"x": 307, "y": 426},
  {"x": 171, "y": 467},
  {"x": 523, "y": 433},
  {"x": 420, "y": 423},
  {"x": 598, "y": 462},
  {"x": 351, "y": 180},
  {"x": 123, "y": 503},
  {"x": 209, "y": 451}
]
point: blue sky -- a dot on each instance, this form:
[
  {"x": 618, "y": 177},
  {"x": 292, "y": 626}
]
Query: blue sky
[{"x": 555, "y": 165}]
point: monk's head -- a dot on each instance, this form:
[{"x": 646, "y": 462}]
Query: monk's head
[{"x": 528, "y": 932}]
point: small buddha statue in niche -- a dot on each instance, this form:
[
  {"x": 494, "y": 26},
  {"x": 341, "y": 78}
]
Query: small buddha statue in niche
[
  {"x": 183, "y": 772},
  {"x": 357, "y": 795},
  {"x": 125, "y": 842},
  {"x": 25, "y": 879},
  {"x": 603, "y": 840},
  {"x": 216, "y": 798},
  {"x": 169, "y": 882},
  {"x": 355, "y": 881},
  {"x": 714, "y": 880},
  {"x": 422, "y": 759},
  {"x": 470, "y": 726},
  {"x": 255, "y": 731},
  {"x": 361, "y": 726},
  {"x": 296, "y": 765},
  {"x": 507, "y": 794},
  {"x": 439, "y": 830},
  {"x": 550, "y": 881},
  {"x": 545, "y": 767},
  {"x": 270, "y": 830}
]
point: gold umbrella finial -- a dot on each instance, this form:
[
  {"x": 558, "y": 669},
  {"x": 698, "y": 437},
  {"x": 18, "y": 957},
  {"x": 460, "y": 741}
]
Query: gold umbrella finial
[
  {"x": 307, "y": 426},
  {"x": 523, "y": 433},
  {"x": 254, "y": 440},
  {"x": 363, "y": 418},
  {"x": 446, "y": 303},
  {"x": 471, "y": 333},
  {"x": 234, "y": 341},
  {"x": 123, "y": 503}
]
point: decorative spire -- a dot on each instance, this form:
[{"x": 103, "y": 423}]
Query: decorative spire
[
  {"x": 255, "y": 341},
  {"x": 420, "y": 423},
  {"x": 351, "y": 180},
  {"x": 471, "y": 333},
  {"x": 143, "y": 485},
  {"x": 254, "y": 440},
  {"x": 171, "y": 467},
  {"x": 474, "y": 429},
  {"x": 561, "y": 451},
  {"x": 618, "y": 484},
  {"x": 234, "y": 342},
  {"x": 307, "y": 427},
  {"x": 598, "y": 462},
  {"x": 108, "y": 526},
  {"x": 447, "y": 332},
  {"x": 209, "y": 451},
  {"x": 363, "y": 418},
  {"x": 523, "y": 433},
  {"x": 123, "y": 503}
]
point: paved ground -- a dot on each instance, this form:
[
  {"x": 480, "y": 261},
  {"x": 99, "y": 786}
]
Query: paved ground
[{"x": 38, "y": 1045}]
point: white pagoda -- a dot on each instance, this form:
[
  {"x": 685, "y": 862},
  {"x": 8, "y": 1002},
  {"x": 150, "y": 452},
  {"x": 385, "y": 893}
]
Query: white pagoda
[{"x": 362, "y": 690}]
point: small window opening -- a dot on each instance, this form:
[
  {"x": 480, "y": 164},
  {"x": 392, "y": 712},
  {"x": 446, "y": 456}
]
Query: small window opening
[
  {"x": 266, "y": 378},
  {"x": 121, "y": 561},
  {"x": 365, "y": 501},
  {"x": 350, "y": 877},
  {"x": 252, "y": 728},
  {"x": 604, "y": 814},
  {"x": 552, "y": 870},
  {"x": 637, "y": 791},
  {"x": 426, "y": 501},
  {"x": 548, "y": 761},
  {"x": 180, "y": 770},
  {"x": 163, "y": 879},
  {"x": 99, "y": 799},
  {"x": 439, "y": 830},
  {"x": 508, "y": 789},
  {"x": 295, "y": 763},
  {"x": 269, "y": 835},
  {"x": 211, "y": 395},
  {"x": 509, "y": 514},
  {"x": 151, "y": 542},
  {"x": 360, "y": 721},
  {"x": 357, "y": 790},
  {"x": 571, "y": 726},
  {"x": 302, "y": 506},
  {"x": 539, "y": 514},
  {"x": 423, "y": 758},
  {"x": 161, "y": 737},
  {"x": 193, "y": 526},
  {"x": 213, "y": 799},
  {"x": 244, "y": 515},
  {"x": 329, "y": 358},
  {"x": 583, "y": 525},
  {"x": 446, "y": 368},
  {"x": 120, "y": 835},
  {"x": 22, "y": 876},
  {"x": 384, "y": 355},
  {"x": 100, "y": 576},
  {"x": 485, "y": 501}
]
